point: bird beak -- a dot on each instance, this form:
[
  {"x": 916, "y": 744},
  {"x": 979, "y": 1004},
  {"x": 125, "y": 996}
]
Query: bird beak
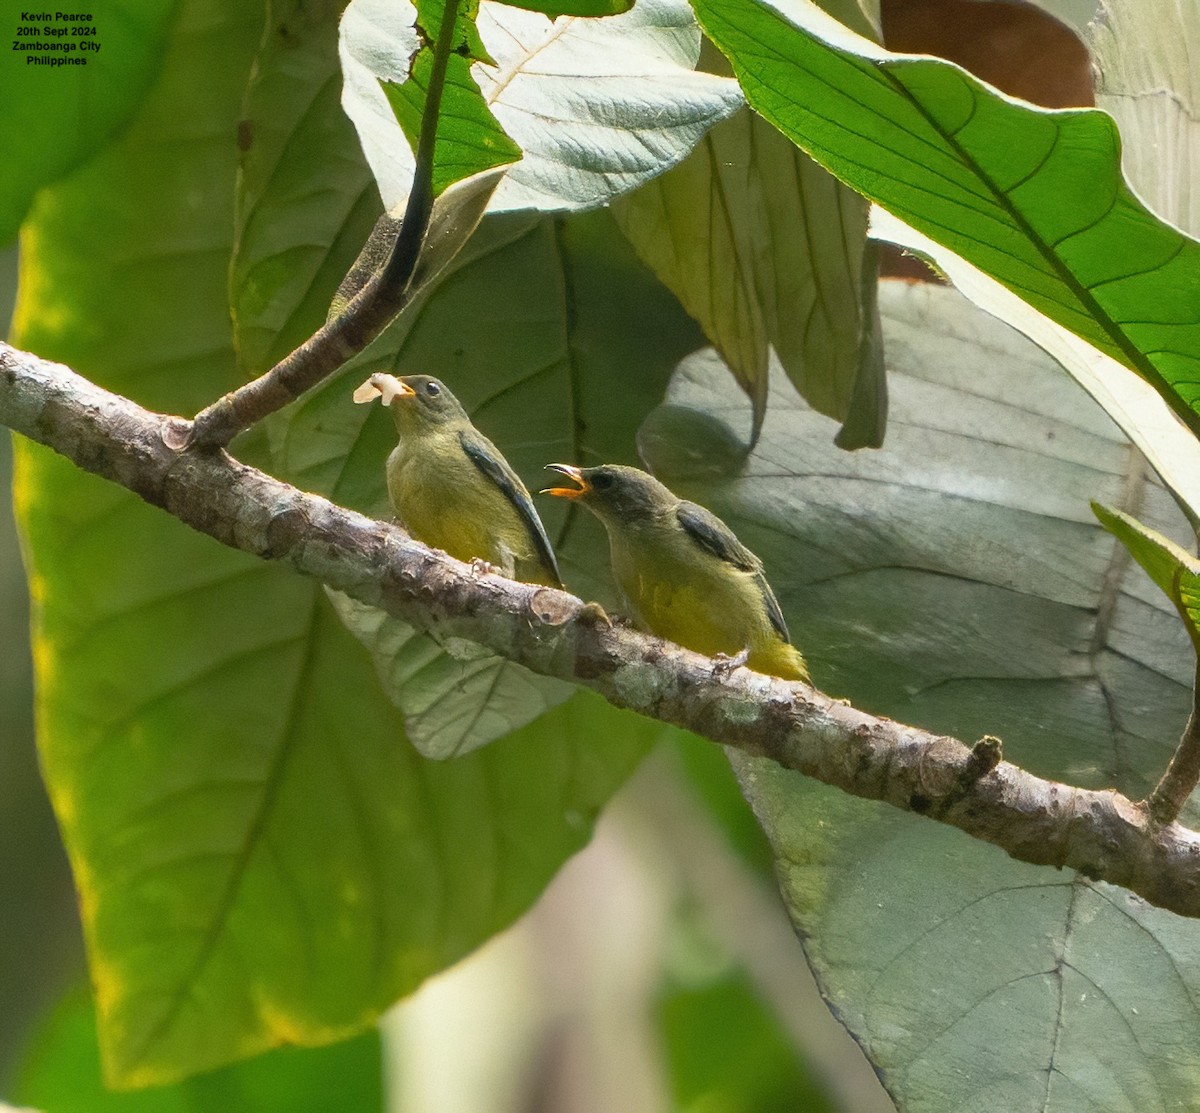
[
  {"x": 386, "y": 387},
  {"x": 571, "y": 473}
]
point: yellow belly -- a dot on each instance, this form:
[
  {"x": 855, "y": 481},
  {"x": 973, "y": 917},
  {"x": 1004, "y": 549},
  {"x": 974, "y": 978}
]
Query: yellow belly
[
  {"x": 706, "y": 605},
  {"x": 444, "y": 501}
]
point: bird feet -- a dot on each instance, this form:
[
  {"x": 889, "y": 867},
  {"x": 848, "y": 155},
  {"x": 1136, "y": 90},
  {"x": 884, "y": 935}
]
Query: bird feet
[
  {"x": 723, "y": 664},
  {"x": 482, "y": 568},
  {"x": 596, "y": 615}
]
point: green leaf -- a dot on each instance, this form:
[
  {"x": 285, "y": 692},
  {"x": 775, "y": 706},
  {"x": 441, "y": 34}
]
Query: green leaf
[
  {"x": 554, "y": 8},
  {"x": 61, "y": 1074},
  {"x": 1032, "y": 197},
  {"x": 1141, "y": 412},
  {"x": 470, "y": 140},
  {"x": 956, "y": 580},
  {"x": 1173, "y": 569},
  {"x": 55, "y": 117},
  {"x": 454, "y": 699},
  {"x": 622, "y": 92},
  {"x": 306, "y": 200},
  {"x": 261, "y": 857},
  {"x": 726, "y": 1052},
  {"x": 708, "y": 775},
  {"x": 777, "y": 261},
  {"x": 1145, "y": 82},
  {"x": 465, "y": 41}
]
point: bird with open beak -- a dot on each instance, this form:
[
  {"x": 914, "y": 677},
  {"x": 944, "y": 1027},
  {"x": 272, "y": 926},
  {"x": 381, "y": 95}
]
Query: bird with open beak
[
  {"x": 451, "y": 488},
  {"x": 683, "y": 573}
]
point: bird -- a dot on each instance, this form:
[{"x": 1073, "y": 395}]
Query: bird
[
  {"x": 683, "y": 573},
  {"x": 452, "y": 489}
]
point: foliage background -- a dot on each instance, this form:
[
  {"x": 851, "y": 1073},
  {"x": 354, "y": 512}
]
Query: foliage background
[{"x": 681, "y": 1011}]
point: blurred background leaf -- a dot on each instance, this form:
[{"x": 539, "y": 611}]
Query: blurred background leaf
[
  {"x": 552, "y": 1015},
  {"x": 1035, "y": 199},
  {"x": 61, "y": 1074},
  {"x": 55, "y": 118},
  {"x": 41, "y": 951},
  {"x": 305, "y": 200},
  {"x": 261, "y": 856},
  {"x": 950, "y": 580},
  {"x": 767, "y": 250},
  {"x": 956, "y": 580}
]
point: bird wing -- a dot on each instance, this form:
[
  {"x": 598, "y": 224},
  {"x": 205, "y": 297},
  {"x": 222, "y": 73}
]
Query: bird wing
[
  {"x": 486, "y": 457},
  {"x": 707, "y": 530}
]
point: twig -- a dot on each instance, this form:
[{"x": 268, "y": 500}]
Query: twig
[
  {"x": 1182, "y": 775},
  {"x": 1104, "y": 835},
  {"x": 364, "y": 318}
]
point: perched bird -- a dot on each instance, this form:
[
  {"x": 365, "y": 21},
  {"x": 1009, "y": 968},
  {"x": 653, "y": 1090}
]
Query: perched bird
[
  {"x": 683, "y": 573},
  {"x": 450, "y": 486}
]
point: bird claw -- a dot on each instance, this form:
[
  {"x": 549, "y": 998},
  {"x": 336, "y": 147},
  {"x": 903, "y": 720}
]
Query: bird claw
[
  {"x": 723, "y": 664},
  {"x": 482, "y": 568}
]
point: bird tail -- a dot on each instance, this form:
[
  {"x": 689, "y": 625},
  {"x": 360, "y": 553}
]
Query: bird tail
[{"x": 783, "y": 660}]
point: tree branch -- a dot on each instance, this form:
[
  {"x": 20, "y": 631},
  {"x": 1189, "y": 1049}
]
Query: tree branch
[
  {"x": 1182, "y": 775},
  {"x": 1104, "y": 835}
]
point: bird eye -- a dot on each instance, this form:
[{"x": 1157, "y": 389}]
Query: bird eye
[
  {"x": 601, "y": 481},
  {"x": 432, "y": 389}
]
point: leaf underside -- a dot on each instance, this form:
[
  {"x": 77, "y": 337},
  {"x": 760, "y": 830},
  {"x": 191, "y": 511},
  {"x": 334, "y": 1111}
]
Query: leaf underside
[
  {"x": 1035, "y": 198},
  {"x": 957, "y": 580}
]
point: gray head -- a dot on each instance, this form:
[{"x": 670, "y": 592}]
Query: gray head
[
  {"x": 417, "y": 402},
  {"x": 615, "y": 492}
]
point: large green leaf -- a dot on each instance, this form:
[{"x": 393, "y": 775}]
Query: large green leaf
[
  {"x": 956, "y": 580},
  {"x": 470, "y": 139},
  {"x": 1175, "y": 572},
  {"x": 726, "y": 1052},
  {"x": 1144, "y": 80},
  {"x": 622, "y": 94},
  {"x": 454, "y": 698},
  {"x": 1141, "y": 412},
  {"x": 1032, "y": 197},
  {"x": 766, "y": 249},
  {"x": 306, "y": 200},
  {"x": 56, "y": 116},
  {"x": 260, "y": 855},
  {"x": 61, "y": 1074}
]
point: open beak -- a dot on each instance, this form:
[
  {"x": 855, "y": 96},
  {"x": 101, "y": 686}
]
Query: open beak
[
  {"x": 386, "y": 387},
  {"x": 572, "y": 473}
]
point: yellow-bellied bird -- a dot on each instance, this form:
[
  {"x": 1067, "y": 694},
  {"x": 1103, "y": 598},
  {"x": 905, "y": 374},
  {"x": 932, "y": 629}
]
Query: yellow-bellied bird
[
  {"x": 684, "y": 574},
  {"x": 450, "y": 486}
]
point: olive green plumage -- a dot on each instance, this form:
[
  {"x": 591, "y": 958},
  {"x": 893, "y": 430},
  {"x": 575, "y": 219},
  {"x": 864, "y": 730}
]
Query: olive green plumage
[
  {"x": 684, "y": 574},
  {"x": 450, "y": 486}
]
